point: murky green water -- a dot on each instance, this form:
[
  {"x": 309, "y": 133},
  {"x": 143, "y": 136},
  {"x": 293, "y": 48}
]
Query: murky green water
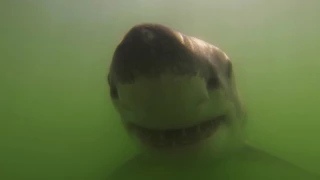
[{"x": 57, "y": 121}]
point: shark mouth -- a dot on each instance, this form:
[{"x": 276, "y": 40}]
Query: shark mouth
[{"x": 171, "y": 138}]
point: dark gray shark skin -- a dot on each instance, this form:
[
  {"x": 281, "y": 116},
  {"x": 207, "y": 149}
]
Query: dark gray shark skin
[{"x": 143, "y": 70}]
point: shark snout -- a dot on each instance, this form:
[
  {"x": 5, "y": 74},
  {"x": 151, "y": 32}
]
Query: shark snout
[{"x": 150, "y": 51}]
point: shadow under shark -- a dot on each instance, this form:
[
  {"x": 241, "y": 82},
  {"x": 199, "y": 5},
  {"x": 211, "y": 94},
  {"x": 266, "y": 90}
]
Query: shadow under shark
[{"x": 177, "y": 98}]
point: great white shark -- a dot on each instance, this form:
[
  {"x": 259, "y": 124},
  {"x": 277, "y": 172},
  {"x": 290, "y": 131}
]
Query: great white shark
[{"x": 178, "y": 99}]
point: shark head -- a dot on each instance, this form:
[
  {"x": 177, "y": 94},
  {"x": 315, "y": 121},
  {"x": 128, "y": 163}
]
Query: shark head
[{"x": 175, "y": 92}]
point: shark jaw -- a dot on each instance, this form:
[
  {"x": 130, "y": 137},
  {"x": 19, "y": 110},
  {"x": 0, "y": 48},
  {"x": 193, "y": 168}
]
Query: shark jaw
[
  {"x": 176, "y": 115},
  {"x": 178, "y": 137}
]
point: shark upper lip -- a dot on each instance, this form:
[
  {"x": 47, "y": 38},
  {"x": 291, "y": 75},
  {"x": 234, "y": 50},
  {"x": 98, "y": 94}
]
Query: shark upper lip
[{"x": 177, "y": 137}]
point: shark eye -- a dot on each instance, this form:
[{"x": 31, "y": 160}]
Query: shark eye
[
  {"x": 113, "y": 93},
  {"x": 212, "y": 83},
  {"x": 229, "y": 69},
  {"x": 113, "y": 90}
]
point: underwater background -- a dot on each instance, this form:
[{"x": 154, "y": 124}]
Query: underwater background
[{"x": 56, "y": 118}]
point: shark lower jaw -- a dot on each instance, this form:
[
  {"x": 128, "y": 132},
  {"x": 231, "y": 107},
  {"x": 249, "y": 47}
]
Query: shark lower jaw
[{"x": 177, "y": 138}]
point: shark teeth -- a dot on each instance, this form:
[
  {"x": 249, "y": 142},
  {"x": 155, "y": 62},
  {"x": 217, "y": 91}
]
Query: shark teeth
[{"x": 177, "y": 137}]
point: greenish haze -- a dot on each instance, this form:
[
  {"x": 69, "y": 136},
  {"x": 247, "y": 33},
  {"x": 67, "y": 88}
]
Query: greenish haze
[{"x": 57, "y": 121}]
